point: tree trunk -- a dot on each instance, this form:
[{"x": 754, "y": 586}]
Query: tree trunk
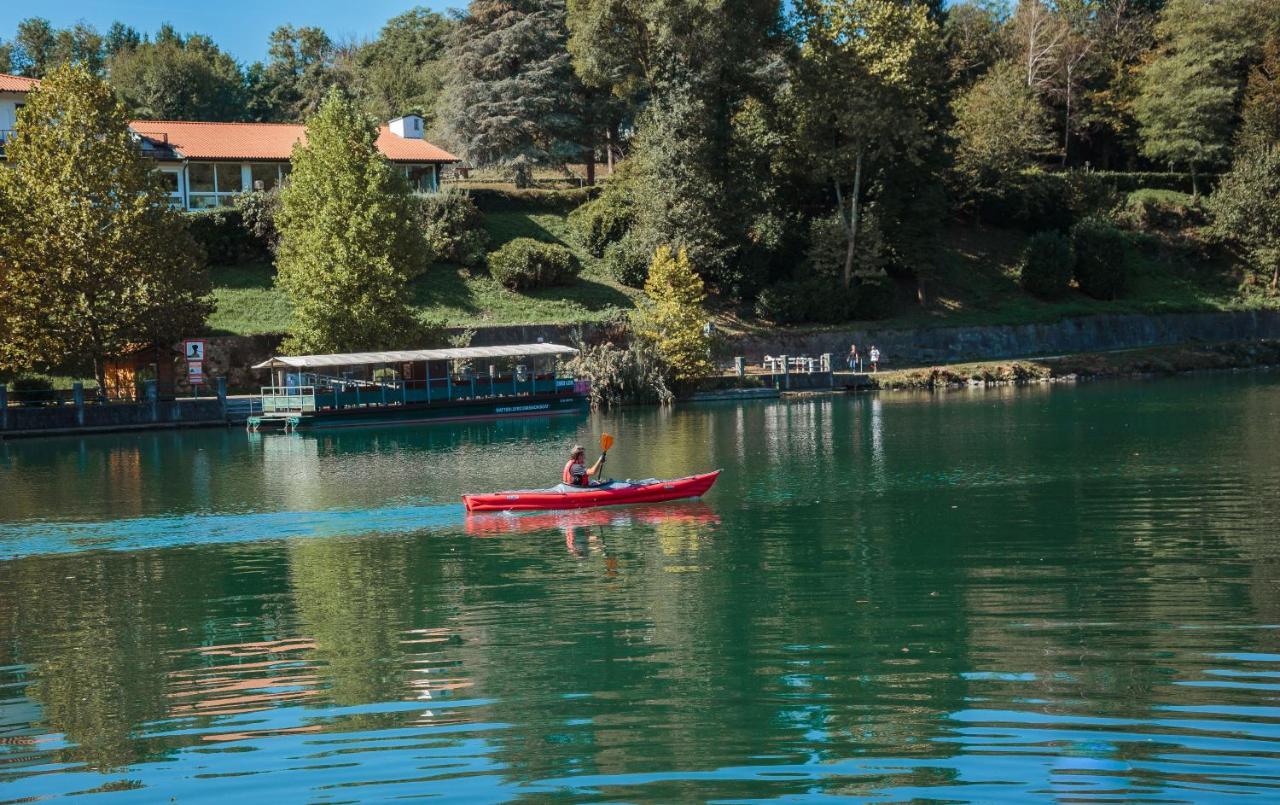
[
  {"x": 591, "y": 165},
  {"x": 851, "y": 231},
  {"x": 1275, "y": 277},
  {"x": 1066, "y": 123},
  {"x": 1195, "y": 188},
  {"x": 100, "y": 374}
]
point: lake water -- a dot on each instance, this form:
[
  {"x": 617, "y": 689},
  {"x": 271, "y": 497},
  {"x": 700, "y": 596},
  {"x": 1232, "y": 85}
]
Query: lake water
[{"x": 1065, "y": 593}]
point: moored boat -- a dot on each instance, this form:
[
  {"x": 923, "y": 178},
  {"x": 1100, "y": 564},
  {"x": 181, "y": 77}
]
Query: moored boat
[{"x": 612, "y": 493}]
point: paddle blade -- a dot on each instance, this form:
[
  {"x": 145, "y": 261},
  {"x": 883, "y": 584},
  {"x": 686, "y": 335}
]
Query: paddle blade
[{"x": 606, "y": 441}]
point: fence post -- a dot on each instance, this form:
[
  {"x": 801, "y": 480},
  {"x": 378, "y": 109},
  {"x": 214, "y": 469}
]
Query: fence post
[
  {"x": 4, "y": 407},
  {"x": 153, "y": 399},
  {"x": 740, "y": 367},
  {"x": 786, "y": 371},
  {"x": 221, "y": 385},
  {"x": 77, "y": 396}
]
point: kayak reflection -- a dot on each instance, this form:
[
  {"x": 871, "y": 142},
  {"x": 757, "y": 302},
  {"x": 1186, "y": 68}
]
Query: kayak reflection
[{"x": 499, "y": 523}]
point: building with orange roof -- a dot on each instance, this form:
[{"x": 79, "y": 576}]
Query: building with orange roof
[{"x": 206, "y": 164}]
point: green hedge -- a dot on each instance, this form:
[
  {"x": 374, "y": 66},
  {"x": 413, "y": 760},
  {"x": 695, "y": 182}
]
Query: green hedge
[
  {"x": 223, "y": 236},
  {"x": 1047, "y": 265},
  {"x": 525, "y": 263},
  {"x": 509, "y": 200}
]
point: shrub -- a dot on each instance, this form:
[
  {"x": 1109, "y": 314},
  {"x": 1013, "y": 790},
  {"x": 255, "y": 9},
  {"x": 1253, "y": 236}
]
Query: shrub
[
  {"x": 812, "y": 299},
  {"x": 258, "y": 210},
  {"x": 628, "y": 261},
  {"x": 222, "y": 234},
  {"x": 634, "y": 374},
  {"x": 1149, "y": 209},
  {"x": 492, "y": 199},
  {"x": 453, "y": 227},
  {"x": 602, "y": 222},
  {"x": 33, "y": 391},
  {"x": 525, "y": 263},
  {"x": 1103, "y": 258},
  {"x": 1047, "y": 265}
]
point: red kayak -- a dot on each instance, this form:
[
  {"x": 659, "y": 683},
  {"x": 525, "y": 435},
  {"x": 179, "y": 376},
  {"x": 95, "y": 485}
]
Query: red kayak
[{"x": 612, "y": 493}]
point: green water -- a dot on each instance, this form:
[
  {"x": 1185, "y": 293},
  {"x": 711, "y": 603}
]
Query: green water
[{"x": 1066, "y": 593}]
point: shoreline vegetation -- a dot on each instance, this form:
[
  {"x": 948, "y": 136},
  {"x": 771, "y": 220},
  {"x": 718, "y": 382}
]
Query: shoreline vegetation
[{"x": 1144, "y": 362}]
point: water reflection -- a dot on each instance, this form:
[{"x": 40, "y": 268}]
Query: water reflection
[{"x": 1060, "y": 595}]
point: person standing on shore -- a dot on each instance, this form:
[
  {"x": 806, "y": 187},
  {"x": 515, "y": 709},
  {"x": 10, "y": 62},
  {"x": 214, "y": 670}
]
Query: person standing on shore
[
  {"x": 875, "y": 359},
  {"x": 853, "y": 357}
]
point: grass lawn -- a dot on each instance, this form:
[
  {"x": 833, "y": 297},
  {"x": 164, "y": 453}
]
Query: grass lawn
[{"x": 247, "y": 304}]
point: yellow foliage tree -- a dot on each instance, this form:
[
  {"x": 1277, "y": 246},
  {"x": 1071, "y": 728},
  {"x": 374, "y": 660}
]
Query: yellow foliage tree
[{"x": 673, "y": 319}]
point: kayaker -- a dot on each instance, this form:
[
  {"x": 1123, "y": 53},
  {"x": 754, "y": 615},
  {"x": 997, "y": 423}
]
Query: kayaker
[{"x": 576, "y": 473}]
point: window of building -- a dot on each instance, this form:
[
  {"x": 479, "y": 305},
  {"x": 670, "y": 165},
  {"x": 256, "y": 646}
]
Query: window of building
[
  {"x": 229, "y": 178},
  {"x": 213, "y": 184},
  {"x": 268, "y": 174},
  {"x": 200, "y": 177}
]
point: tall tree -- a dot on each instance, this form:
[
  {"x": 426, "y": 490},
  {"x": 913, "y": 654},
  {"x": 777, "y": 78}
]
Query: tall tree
[
  {"x": 179, "y": 78},
  {"x": 512, "y": 97},
  {"x": 975, "y": 39},
  {"x": 1260, "y": 113},
  {"x": 1191, "y": 89},
  {"x": 349, "y": 245},
  {"x": 1246, "y": 208},
  {"x": 296, "y": 79},
  {"x": 864, "y": 95},
  {"x": 402, "y": 71},
  {"x": 92, "y": 259},
  {"x": 1000, "y": 129},
  {"x": 38, "y": 47}
]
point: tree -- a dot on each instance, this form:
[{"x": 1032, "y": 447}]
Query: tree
[
  {"x": 300, "y": 70},
  {"x": 120, "y": 37},
  {"x": 673, "y": 321},
  {"x": 1260, "y": 113},
  {"x": 1039, "y": 34},
  {"x": 1190, "y": 90},
  {"x": 512, "y": 97},
  {"x": 402, "y": 71},
  {"x": 975, "y": 38},
  {"x": 349, "y": 245},
  {"x": 863, "y": 92},
  {"x": 177, "y": 78},
  {"x": 38, "y": 47},
  {"x": 1001, "y": 127},
  {"x": 1246, "y": 208},
  {"x": 92, "y": 259}
]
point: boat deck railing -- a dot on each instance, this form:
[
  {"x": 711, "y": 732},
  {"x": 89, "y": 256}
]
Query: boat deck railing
[{"x": 336, "y": 393}]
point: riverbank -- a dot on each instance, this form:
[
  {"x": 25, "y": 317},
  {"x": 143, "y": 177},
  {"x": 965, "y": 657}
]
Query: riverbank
[{"x": 1167, "y": 360}]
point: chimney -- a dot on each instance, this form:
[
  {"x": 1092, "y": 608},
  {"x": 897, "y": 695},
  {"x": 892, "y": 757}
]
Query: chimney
[{"x": 409, "y": 127}]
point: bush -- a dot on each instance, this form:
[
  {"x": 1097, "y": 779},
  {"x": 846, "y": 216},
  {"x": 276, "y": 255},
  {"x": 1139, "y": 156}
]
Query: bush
[
  {"x": 635, "y": 374},
  {"x": 223, "y": 236},
  {"x": 1148, "y": 210},
  {"x": 453, "y": 227},
  {"x": 525, "y": 263},
  {"x": 1048, "y": 264},
  {"x": 1103, "y": 258},
  {"x": 32, "y": 391},
  {"x": 812, "y": 299},
  {"x": 602, "y": 222},
  {"x": 258, "y": 210},
  {"x": 492, "y": 199},
  {"x": 628, "y": 261}
]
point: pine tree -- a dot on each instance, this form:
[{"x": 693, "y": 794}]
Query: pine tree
[
  {"x": 673, "y": 320},
  {"x": 512, "y": 97},
  {"x": 349, "y": 245},
  {"x": 92, "y": 259}
]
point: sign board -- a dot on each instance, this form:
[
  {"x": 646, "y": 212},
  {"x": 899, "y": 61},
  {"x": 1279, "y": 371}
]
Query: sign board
[
  {"x": 195, "y": 373},
  {"x": 193, "y": 350}
]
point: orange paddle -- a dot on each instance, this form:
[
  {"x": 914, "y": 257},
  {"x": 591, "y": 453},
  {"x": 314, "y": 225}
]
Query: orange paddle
[{"x": 606, "y": 441}]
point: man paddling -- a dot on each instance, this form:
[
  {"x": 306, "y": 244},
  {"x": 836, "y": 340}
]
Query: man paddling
[{"x": 576, "y": 473}]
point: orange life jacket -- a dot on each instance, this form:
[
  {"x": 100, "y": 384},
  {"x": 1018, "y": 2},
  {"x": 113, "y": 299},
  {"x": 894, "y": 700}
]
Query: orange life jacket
[{"x": 567, "y": 475}]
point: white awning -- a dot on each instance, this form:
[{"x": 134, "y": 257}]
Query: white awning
[{"x": 409, "y": 355}]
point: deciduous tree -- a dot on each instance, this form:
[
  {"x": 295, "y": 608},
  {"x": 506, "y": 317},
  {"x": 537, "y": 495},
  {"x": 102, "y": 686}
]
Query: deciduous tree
[
  {"x": 178, "y": 78},
  {"x": 92, "y": 259},
  {"x": 863, "y": 92},
  {"x": 349, "y": 244},
  {"x": 1246, "y": 208}
]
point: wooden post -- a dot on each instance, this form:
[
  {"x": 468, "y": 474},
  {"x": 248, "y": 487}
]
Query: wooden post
[
  {"x": 786, "y": 371},
  {"x": 77, "y": 395}
]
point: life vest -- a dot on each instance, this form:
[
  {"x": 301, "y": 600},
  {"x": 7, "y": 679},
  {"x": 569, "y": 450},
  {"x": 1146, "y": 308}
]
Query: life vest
[{"x": 567, "y": 475}]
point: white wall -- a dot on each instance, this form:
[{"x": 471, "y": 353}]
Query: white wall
[{"x": 8, "y": 108}]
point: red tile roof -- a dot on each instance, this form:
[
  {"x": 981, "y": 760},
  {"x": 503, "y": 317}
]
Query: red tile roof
[
  {"x": 267, "y": 141},
  {"x": 16, "y": 83}
]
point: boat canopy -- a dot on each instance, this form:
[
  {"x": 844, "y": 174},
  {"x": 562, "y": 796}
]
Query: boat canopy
[{"x": 409, "y": 355}]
